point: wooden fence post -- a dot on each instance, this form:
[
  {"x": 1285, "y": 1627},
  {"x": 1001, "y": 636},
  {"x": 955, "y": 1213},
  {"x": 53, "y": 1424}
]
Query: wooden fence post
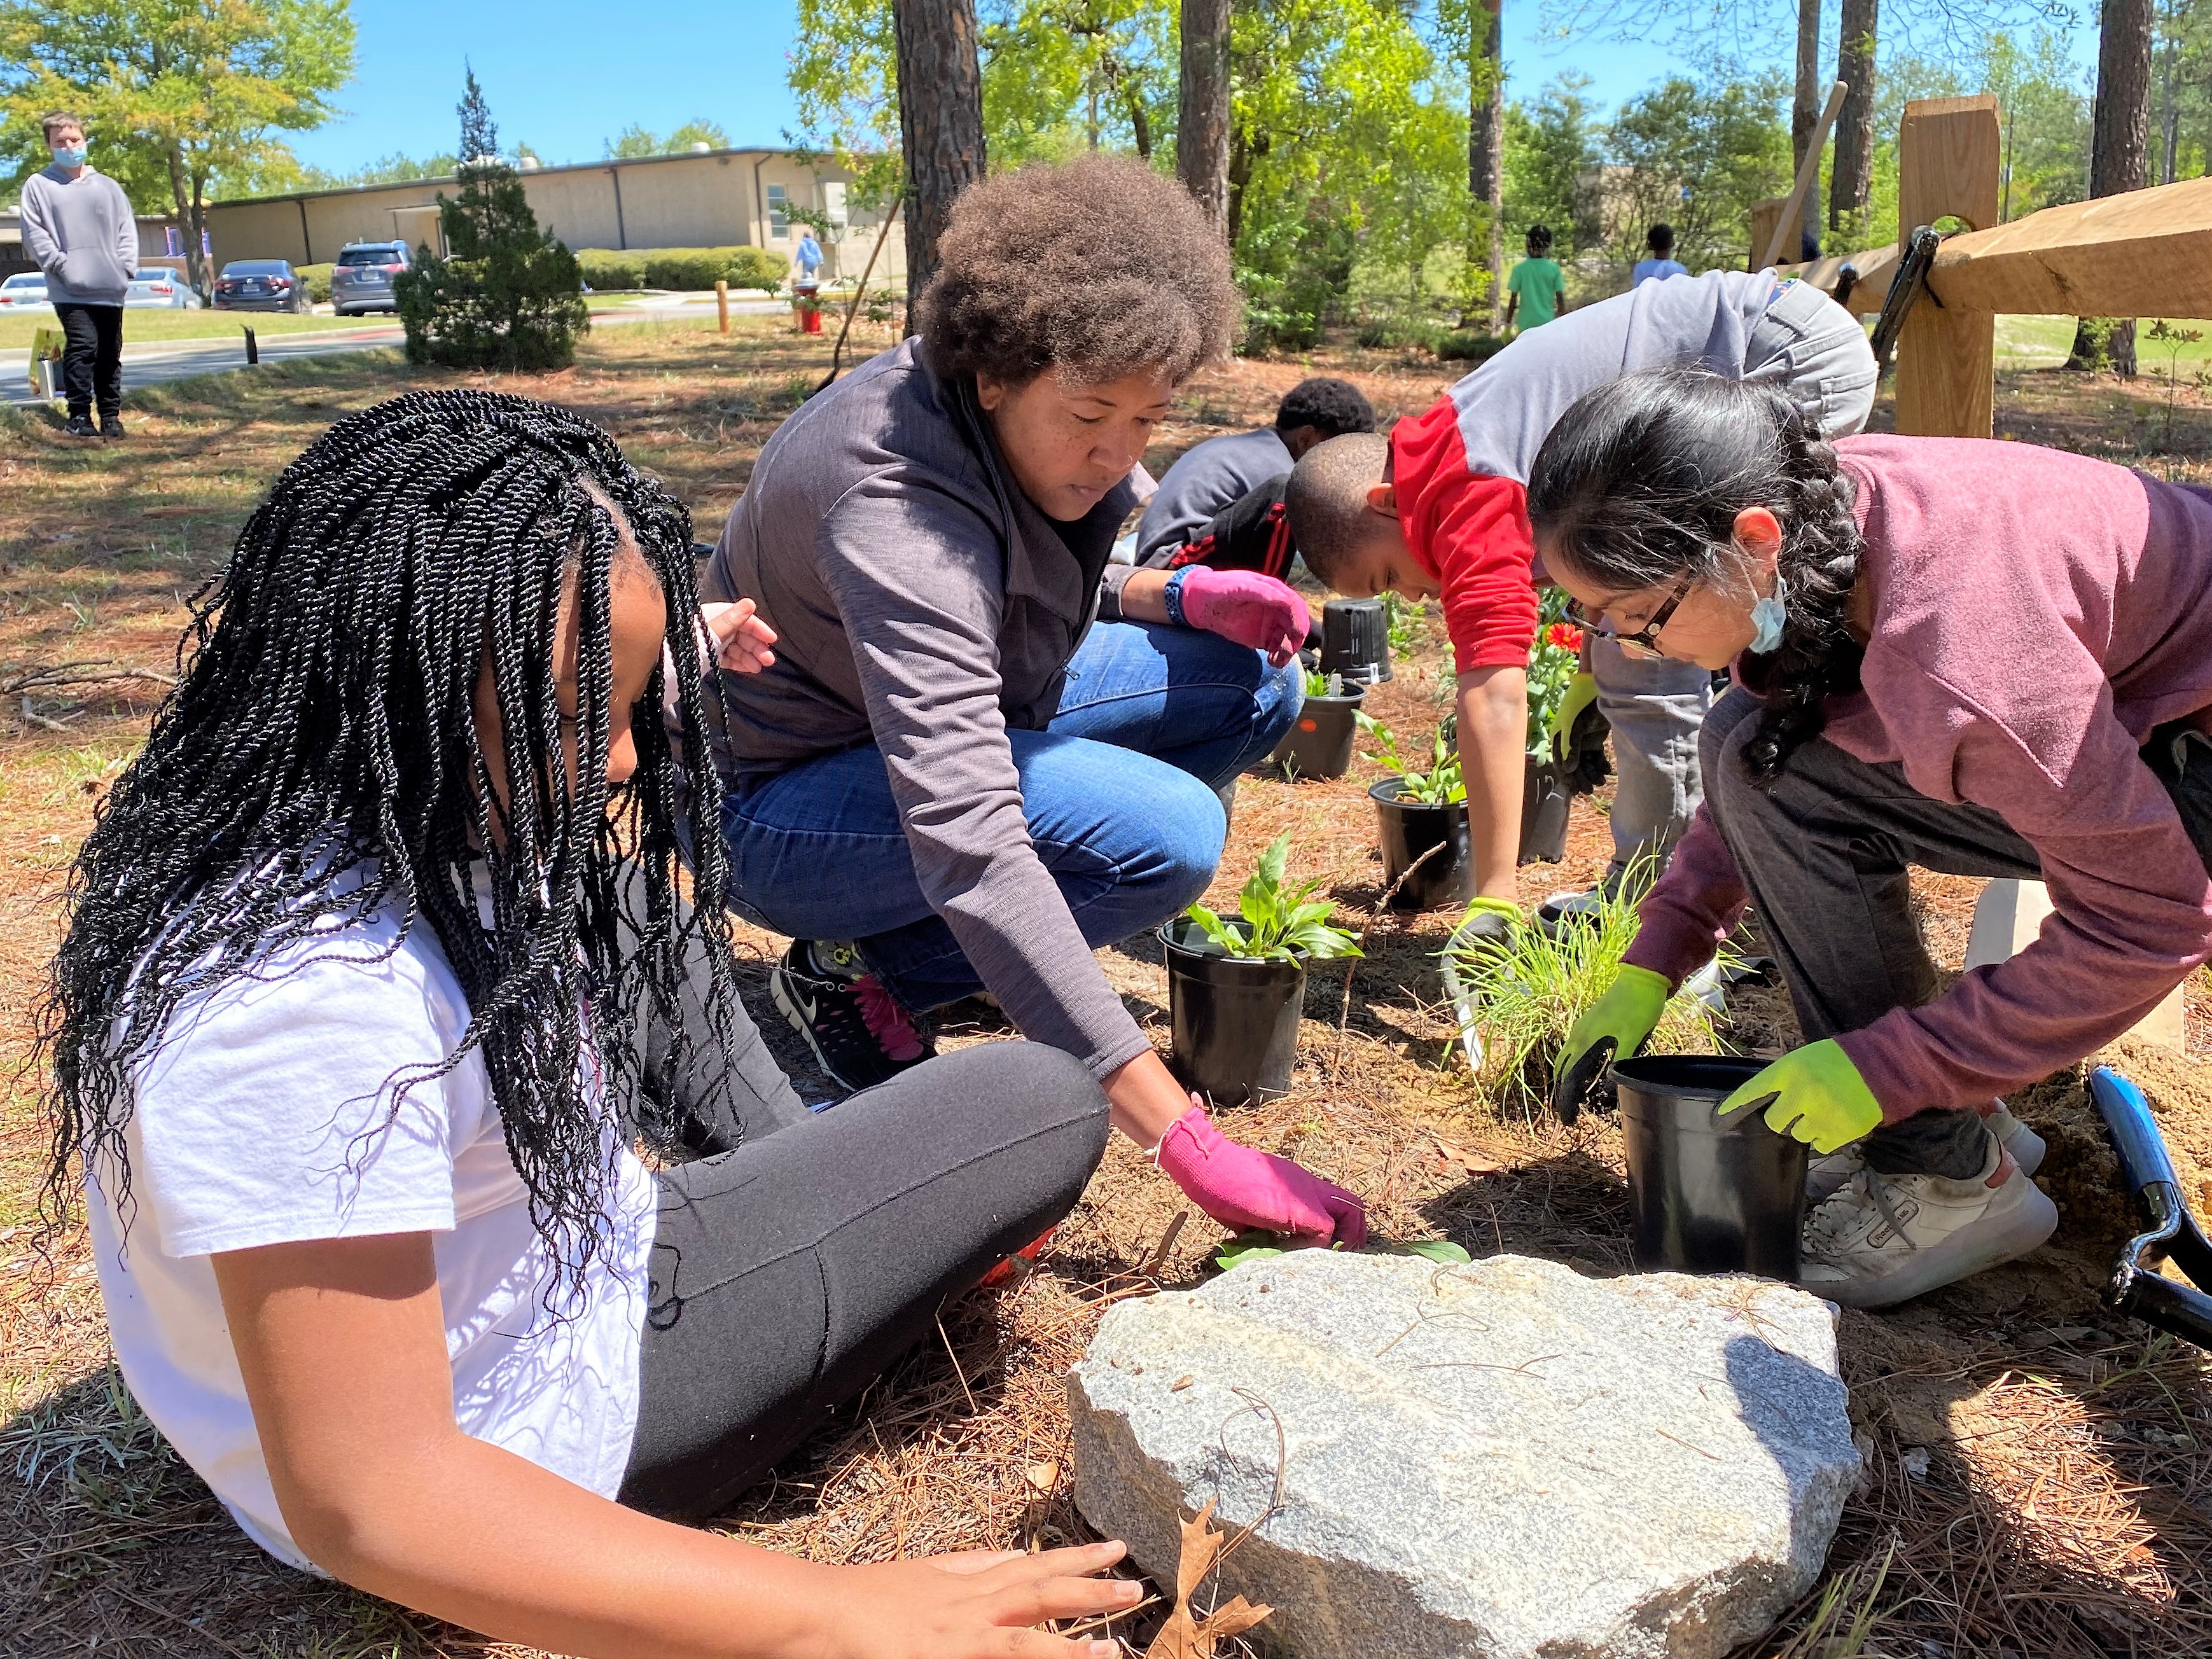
[
  {"x": 1765, "y": 216},
  {"x": 1950, "y": 155}
]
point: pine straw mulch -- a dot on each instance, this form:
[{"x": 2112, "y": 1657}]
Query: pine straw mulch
[{"x": 2040, "y": 1473}]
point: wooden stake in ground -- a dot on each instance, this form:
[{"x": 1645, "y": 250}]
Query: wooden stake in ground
[
  {"x": 1188, "y": 1635},
  {"x": 722, "y": 303}
]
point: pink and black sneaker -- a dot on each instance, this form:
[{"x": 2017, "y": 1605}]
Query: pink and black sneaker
[{"x": 856, "y": 1031}]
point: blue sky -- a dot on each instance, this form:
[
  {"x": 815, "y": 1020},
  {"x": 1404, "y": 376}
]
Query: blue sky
[{"x": 564, "y": 77}]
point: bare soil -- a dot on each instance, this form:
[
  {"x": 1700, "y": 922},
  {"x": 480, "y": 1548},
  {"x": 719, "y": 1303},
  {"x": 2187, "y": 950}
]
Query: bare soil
[{"x": 2040, "y": 1472}]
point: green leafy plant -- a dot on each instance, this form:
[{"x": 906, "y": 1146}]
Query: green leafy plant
[
  {"x": 1408, "y": 618},
  {"x": 1531, "y": 985},
  {"x": 1439, "y": 786},
  {"x": 1553, "y": 662},
  {"x": 1319, "y": 685},
  {"x": 1278, "y": 922},
  {"x": 1262, "y": 1247},
  {"x": 2174, "y": 340}
]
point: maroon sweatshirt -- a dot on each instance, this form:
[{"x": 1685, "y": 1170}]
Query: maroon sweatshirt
[{"x": 2035, "y": 614}]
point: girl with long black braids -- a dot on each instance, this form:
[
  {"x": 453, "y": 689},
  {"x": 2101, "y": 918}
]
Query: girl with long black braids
[
  {"x": 377, "y": 967},
  {"x": 1982, "y": 659}
]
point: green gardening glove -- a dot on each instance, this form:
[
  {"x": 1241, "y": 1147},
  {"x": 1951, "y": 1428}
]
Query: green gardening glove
[
  {"x": 1818, "y": 1096},
  {"x": 1613, "y": 1028},
  {"x": 1580, "y": 693}
]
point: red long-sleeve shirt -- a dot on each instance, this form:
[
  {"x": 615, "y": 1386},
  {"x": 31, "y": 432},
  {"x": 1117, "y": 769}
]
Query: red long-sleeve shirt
[{"x": 1458, "y": 468}]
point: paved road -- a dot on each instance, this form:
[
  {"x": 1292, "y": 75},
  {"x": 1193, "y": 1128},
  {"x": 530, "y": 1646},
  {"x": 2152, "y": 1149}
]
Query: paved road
[{"x": 157, "y": 360}]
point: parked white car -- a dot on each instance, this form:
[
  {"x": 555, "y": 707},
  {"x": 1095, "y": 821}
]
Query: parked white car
[
  {"x": 25, "y": 288},
  {"x": 158, "y": 286}
]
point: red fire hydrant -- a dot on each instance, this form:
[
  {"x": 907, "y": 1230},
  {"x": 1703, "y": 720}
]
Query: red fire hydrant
[{"x": 805, "y": 301}]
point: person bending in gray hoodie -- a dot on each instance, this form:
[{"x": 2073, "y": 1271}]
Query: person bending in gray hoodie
[{"x": 78, "y": 225}]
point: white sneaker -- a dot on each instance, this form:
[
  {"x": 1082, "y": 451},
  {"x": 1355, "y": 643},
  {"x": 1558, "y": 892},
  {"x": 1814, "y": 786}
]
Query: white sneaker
[
  {"x": 1831, "y": 1172},
  {"x": 1884, "y": 1239}
]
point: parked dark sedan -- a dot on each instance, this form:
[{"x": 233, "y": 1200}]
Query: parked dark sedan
[
  {"x": 261, "y": 285},
  {"x": 361, "y": 279}
]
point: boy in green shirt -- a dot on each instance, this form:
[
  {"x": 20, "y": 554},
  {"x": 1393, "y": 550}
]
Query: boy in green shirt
[{"x": 1533, "y": 289}]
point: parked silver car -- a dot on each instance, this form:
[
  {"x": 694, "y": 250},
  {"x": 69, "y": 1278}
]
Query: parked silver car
[
  {"x": 159, "y": 287},
  {"x": 25, "y": 288},
  {"x": 261, "y": 285},
  {"x": 362, "y": 278}
]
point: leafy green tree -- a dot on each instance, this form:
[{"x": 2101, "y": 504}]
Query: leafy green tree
[
  {"x": 504, "y": 294},
  {"x": 697, "y": 130},
  {"x": 1550, "y": 145},
  {"x": 183, "y": 92},
  {"x": 633, "y": 141},
  {"x": 393, "y": 169},
  {"x": 2181, "y": 90},
  {"x": 1698, "y": 154},
  {"x": 1060, "y": 76}
]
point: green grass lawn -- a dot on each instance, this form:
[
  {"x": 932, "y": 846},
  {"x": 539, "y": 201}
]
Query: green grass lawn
[
  {"x": 17, "y": 330},
  {"x": 2044, "y": 342}
]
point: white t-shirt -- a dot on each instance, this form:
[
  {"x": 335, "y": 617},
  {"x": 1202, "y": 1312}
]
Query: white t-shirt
[{"x": 260, "y": 1120}]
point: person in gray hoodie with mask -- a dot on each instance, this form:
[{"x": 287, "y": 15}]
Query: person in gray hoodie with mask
[{"x": 78, "y": 225}]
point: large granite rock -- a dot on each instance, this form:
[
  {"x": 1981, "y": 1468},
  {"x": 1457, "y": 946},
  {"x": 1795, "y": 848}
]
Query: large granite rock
[{"x": 1500, "y": 1459}]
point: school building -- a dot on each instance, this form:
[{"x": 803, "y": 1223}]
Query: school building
[{"x": 704, "y": 198}]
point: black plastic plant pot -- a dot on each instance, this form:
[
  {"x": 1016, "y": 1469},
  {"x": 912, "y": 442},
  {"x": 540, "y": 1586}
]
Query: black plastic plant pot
[
  {"x": 1711, "y": 1195},
  {"x": 1235, "y": 1019},
  {"x": 1544, "y": 803},
  {"x": 1319, "y": 746},
  {"x": 1355, "y": 641},
  {"x": 1410, "y": 830}
]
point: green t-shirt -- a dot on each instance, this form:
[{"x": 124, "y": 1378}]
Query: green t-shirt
[{"x": 1539, "y": 282}]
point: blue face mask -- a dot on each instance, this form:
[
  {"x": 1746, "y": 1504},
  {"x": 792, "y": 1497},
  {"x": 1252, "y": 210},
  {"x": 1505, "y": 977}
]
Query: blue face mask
[
  {"x": 69, "y": 155},
  {"x": 1767, "y": 617}
]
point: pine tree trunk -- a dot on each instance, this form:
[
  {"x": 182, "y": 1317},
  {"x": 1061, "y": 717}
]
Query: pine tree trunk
[
  {"x": 1851, "y": 173},
  {"x": 1805, "y": 114},
  {"x": 940, "y": 121},
  {"x": 2119, "y": 156},
  {"x": 1202, "y": 115},
  {"x": 1486, "y": 138}
]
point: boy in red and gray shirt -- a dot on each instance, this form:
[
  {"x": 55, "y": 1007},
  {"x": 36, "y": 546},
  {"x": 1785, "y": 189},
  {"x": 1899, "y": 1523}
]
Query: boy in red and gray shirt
[{"x": 1439, "y": 510}]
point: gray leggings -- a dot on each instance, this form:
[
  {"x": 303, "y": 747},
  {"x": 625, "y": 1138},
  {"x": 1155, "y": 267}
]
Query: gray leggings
[
  {"x": 804, "y": 1252},
  {"x": 1825, "y": 852}
]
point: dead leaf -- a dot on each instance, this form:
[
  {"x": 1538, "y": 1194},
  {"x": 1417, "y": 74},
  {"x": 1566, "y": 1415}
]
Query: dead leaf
[
  {"x": 1191, "y": 1635},
  {"x": 1044, "y": 1476},
  {"x": 1473, "y": 1162},
  {"x": 1180, "y": 1383}
]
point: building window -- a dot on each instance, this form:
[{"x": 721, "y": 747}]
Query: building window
[{"x": 779, "y": 217}]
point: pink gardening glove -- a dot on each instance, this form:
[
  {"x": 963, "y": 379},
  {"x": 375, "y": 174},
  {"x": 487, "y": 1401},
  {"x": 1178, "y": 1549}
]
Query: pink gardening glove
[
  {"x": 1247, "y": 607},
  {"x": 1243, "y": 1189}
]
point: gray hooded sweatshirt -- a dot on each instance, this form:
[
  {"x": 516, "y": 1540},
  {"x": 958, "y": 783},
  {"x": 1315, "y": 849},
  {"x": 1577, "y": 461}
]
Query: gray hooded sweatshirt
[
  {"x": 83, "y": 234},
  {"x": 925, "y": 605}
]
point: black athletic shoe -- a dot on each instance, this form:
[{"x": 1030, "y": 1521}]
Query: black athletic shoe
[
  {"x": 81, "y": 426},
  {"x": 858, "y": 1032},
  {"x": 111, "y": 426}
]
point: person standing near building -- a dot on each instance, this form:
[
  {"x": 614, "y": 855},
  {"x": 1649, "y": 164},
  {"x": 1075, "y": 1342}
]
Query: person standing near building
[
  {"x": 1662, "y": 263},
  {"x": 1537, "y": 285},
  {"x": 78, "y": 226},
  {"x": 808, "y": 255}
]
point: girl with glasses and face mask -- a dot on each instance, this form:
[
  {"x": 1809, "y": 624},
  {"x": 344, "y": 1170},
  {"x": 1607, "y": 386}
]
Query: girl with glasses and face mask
[{"x": 1976, "y": 657}]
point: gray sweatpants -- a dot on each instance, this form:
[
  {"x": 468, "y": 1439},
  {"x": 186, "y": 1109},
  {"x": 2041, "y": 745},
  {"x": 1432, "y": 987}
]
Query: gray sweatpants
[
  {"x": 1825, "y": 852},
  {"x": 1811, "y": 349}
]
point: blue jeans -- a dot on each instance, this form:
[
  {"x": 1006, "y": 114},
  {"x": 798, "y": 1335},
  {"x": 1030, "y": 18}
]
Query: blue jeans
[{"x": 1119, "y": 790}]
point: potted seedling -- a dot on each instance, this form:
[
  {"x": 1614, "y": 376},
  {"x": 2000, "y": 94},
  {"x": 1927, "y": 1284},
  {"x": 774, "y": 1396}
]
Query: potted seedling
[
  {"x": 1427, "y": 862},
  {"x": 1236, "y": 985},
  {"x": 1319, "y": 744},
  {"x": 1552, "y": 665}
]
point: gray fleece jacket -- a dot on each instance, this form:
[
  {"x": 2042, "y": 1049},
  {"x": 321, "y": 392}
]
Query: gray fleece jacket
[
  {"x": 925, "y": 605},
  {"x": 82, "y": 234}
]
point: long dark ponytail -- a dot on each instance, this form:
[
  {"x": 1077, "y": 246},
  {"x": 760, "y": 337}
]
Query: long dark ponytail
[
  {"x": 1641, "y": 482},
  {"x": 319, "y": 759}
]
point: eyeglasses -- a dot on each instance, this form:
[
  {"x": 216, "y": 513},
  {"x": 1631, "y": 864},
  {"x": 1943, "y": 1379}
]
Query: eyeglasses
[{"x": 1645, "y": 641}]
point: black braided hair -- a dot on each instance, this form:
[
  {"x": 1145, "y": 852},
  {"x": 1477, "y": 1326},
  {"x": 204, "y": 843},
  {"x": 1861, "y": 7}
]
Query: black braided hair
[
  {"x": 1641, "y": 481},
  {"x": 319, "y": 757}
]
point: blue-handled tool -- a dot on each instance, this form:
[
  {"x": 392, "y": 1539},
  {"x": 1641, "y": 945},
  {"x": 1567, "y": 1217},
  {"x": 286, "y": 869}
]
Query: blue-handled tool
[{"x": 2138, "y": 1289}]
